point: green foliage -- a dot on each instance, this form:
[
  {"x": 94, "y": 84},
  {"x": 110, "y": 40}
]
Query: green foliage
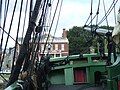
[
  {"x": 107, "y": 27},
  {"x": 77, "y": 42}
]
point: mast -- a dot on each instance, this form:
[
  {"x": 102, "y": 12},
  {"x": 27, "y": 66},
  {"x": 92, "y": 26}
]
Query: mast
[
  {"x": 0, "y": 15},
  {"x": 0, "y": 12},
  {"x": 25, "y": 46},
  {"x": 0, "y": 25}
]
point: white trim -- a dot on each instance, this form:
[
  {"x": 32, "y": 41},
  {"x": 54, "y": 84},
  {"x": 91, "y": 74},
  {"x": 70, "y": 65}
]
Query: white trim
[
  {"x": 62, "y": 47},
  {"x": 64, "y": 52}
]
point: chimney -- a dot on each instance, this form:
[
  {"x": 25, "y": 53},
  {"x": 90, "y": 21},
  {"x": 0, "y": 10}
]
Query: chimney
[{"x": 64, "y": 34}]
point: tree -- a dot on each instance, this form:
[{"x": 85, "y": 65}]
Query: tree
[
  {"x": 107, "y": 27},
  {"x": 80, "y": 40},
  {"x": 77, "y": 40}
]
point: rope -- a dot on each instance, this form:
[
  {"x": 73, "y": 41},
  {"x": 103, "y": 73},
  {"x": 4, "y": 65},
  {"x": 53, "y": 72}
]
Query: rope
[
  {"x": 17, "y": 35},
  {"x": 33, "y": 50},
  {"x": 51, "y": 26},
  {"x": 5, "y": 16},
  {"x": 97, "y": 12},
  {"x": 115, "y": 15},
  {"x": 5, "y": 7},
  {"x": 0, "y": 11},
  {"x": 86, "y": 20},
  {"x": 105, "y": 14},
  {"x": 92, "y": 19},
  {"x": 91, "y": 14},
  {"x": 34, "y": 35},
  {"x": 108, "y": 12},
  {"x": 25, "y": 46},
  {"x": 49, "y": 17},
  {"x": 57, "y": 21},
  {"x": 24, "y": 20},
  {"x": 90, "y": 39},
  {"x": 8, "y": 34},
  {"x": 104, "y": 17},
  {"x": 39, "y": 37},
  {"x": 30, "y": 12}
]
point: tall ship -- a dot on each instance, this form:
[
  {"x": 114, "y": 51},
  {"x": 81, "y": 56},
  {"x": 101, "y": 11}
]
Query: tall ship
[{"x": 84, "y": 58}]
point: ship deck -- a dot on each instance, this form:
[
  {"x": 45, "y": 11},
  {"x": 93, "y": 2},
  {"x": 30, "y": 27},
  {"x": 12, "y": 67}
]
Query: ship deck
[{"x": 76, "y": 87}]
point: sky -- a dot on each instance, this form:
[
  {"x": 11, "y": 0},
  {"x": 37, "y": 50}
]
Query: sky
[
  {"x": 73, "y": 13},
  {"x": 76, "y": 12}
]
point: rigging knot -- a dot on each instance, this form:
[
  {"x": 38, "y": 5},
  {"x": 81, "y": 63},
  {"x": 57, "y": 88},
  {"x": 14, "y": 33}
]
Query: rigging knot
[
  {"x": 91, "y": 13},
  {"x": 97, "y": 12},
  {"x": 38, "y": 29},
  {"x": 49, "y": 4}
]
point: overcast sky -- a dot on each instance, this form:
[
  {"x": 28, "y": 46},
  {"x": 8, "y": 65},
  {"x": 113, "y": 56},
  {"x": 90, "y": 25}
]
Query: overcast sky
[
  {"x": 73, "y": 13},
  {"x": 76, "y": 12}
]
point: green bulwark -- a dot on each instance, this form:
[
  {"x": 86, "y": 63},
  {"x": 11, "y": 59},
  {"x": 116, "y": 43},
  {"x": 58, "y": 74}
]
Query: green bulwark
[
  {"x": 86, "y": 69},
  {"x": 113, "y": 80},
  {"x": 89, "y": 64}
]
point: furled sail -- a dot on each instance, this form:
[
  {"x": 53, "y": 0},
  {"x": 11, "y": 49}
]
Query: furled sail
[{"x": 116, "y": 31}]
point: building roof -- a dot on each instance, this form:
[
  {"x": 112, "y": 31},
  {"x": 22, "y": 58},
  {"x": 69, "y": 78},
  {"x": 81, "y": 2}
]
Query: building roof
[
  {"x": 51, "y": 39},
  {"x": 54, "y": 39}
]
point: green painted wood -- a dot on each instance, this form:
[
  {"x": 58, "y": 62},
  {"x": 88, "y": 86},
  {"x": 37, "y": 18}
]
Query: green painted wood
[
  {"x": 57, "y": 76},
  {"x": 114, "y": 74},
  {"x": 89, "y": 59},
  {"x": 112, "y": 84},
  {"x": 15, "y": 86},
  {"x": 92, "y": 70},
  {"x": 73, "y": 57},
  {"x": 69, "y": 76},
  {"x": 114, "y": 69},
  {"x": 91, "y": 67},
  {"x": 87, "y": 74}
]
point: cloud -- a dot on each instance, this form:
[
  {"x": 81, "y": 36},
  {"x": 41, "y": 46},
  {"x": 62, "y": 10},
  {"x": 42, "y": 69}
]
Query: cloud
[
  {"x": 73, "y": 13},
  {"x": 14, "y": 27},
  {"x": 76, "y": 12}
]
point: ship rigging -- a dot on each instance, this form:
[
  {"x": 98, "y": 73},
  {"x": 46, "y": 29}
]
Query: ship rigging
[{"x": 29, "y": 71}]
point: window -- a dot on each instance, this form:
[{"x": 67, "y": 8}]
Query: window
[
  {"x": 51, "y": 55},
  {"x": 57, "y": 55},
  {"x": 42, "y": 47},
  {"x": 62, "y": 47},
  {"x": 56, "y": 46}
]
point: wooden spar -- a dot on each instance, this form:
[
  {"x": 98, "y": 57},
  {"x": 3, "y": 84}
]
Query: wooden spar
[
  {"x": 25, "y": 46},
  {"x": 0, "y": 25},
  {"x": 0, "y": 12}
]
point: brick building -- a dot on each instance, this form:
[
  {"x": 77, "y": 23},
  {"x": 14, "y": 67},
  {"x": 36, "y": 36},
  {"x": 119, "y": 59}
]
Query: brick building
[{"x": 59, "y": 46}]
